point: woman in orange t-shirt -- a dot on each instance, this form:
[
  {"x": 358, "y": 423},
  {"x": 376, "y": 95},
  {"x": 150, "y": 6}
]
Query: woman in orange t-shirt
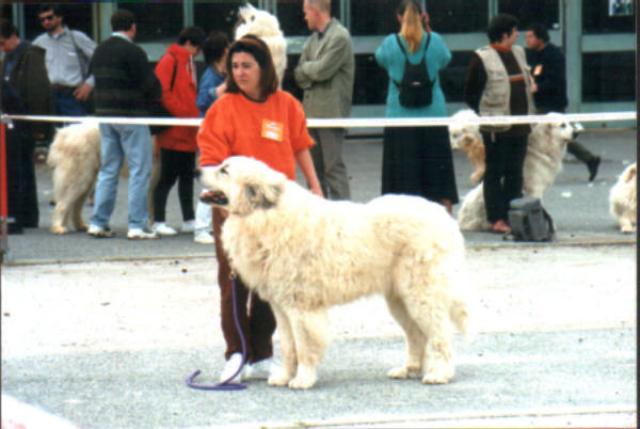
[{"x": 254, "y": 118}]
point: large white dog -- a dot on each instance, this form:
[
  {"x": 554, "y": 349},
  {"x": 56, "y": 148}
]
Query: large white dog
[
  {"x": 304, "y": 254},
  {"x": 266, "y": 26},
  {"x": 74, "y": 157},
  {"x": 545, "y": 150},
  {"x": 623, "y": 199}
]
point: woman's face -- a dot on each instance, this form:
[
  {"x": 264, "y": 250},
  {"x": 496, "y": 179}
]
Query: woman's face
[{"x": 246, "y": 73}]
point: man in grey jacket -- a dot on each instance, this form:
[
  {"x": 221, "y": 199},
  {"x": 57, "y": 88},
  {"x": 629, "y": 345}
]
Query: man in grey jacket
[{"x": 325, "y": 72}]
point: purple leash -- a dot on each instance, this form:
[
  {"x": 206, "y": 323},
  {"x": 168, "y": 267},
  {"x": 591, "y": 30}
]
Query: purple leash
[{"x": 225, "y": 385}]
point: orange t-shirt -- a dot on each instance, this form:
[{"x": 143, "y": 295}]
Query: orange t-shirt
[{"x": 271, "y": 131}]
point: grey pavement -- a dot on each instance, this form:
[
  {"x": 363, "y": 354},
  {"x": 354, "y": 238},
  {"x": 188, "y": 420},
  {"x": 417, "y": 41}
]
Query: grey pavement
[
  {"x": 103, "y": 332},
  {"x": 109, "y": 344}
]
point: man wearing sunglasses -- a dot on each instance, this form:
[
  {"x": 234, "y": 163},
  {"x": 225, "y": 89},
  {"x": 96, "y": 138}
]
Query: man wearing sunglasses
[{"x": 68, "y": 56}]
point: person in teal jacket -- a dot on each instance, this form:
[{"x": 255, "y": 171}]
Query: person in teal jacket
[{"x": 416, "y": 160}]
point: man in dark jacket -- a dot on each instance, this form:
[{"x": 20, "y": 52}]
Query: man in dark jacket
[
  {"x": 25, "y": 90},
  {"x": 124, "y": 83},
  {"x": 548, "y": 67}
]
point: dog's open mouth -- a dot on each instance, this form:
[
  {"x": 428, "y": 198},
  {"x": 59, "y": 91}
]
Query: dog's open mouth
[{"x": 214, "y": 197}]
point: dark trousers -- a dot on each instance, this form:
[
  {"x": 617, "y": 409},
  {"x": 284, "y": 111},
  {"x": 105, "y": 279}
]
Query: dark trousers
[
  {"x": 66, "y": 104},
  {"x": 582, "y": 153},
  {"x": 503, "y": 175},
  {"x": 22, "y": 196},
  {"x": 257, "y": 322},
  {"x": 175, "y": 165}
]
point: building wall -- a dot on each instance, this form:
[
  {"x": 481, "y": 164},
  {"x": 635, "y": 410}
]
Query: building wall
[{"x": 600, "y": 46}]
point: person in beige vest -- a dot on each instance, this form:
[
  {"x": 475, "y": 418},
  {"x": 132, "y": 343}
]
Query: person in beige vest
[
  {"x": 325, "y": 72},
  {"x": 499, "y": 83}
]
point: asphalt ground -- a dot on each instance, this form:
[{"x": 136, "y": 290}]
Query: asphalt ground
[
  {"x": 102, "y": 333},
  {"x": 109, "y": 344}
]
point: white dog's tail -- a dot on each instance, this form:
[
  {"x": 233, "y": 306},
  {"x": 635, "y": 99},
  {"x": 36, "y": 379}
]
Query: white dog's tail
[{"x": 53, "y": 157}]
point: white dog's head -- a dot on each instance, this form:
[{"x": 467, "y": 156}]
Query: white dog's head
[
  {"x": 554, "y": 134},
  {"x": 242, "y": 185},
  {"x": 462, "y": 132},
  {"x": 257, "y": 22}
]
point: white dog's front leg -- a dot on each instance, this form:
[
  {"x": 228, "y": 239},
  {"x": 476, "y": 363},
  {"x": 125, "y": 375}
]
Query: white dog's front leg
[
  {"x": 283, "y": 375},
  {"x": 310, "y": 334}
]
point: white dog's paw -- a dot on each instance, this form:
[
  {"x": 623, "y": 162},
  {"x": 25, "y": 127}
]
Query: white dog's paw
[
  {"x": 305, "y": 378},
  {"x": 628, "y": 229},
  {"x": 403, "y": 372},
  {"x": 302, "y": 382},
  {"x": 439, "y": 372},
  {"x": 57, "y": 229},
  {"x": 279, "y": 378}
]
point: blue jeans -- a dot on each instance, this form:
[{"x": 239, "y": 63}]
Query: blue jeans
[
  {"x": 118, "y": 141},
  {"x": 68, "y": 105}
]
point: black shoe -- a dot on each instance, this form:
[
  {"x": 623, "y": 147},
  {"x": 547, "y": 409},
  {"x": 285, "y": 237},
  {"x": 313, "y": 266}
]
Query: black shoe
[{"x": 593, "y": 165}]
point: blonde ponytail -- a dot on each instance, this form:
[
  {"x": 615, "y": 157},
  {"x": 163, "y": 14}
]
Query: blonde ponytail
[{"x": 411, "y": 29}]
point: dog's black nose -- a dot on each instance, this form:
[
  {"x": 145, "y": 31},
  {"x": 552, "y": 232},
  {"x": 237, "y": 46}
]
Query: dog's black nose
[{"x": 197, "y": 173}]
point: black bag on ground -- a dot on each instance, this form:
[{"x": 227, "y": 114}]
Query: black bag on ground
[
  {"x": 416, "y": 86},
  {"x": 530, "y": 221},
  {"x": 157, "y": 109}
]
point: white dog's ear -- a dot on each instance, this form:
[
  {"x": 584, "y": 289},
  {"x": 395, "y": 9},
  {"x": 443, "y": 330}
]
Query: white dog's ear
[{"x": 262, "y": 196}]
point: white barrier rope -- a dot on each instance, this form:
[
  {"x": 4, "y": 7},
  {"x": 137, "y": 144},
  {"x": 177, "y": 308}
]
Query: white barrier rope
[{"x": 354, "y": 122}]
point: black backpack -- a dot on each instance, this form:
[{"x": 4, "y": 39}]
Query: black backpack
[
  {"x": 530, "y": 221},
  {"x": 416, "y": 86}
]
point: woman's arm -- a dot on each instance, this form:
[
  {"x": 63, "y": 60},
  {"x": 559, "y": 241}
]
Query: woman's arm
[{"x": 303, "y": 158}]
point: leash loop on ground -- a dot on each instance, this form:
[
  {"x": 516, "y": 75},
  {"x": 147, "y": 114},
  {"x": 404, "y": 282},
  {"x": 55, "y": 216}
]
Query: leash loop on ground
[{"x": 225, "y": 385}]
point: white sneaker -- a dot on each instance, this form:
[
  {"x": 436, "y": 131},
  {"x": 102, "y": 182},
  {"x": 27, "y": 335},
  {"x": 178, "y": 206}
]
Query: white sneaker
[
  {"x": 163, "y": 229},
  {"x": 259, "y": 370},
  {"x": 141, "y": 234},
  {"x": 188, "y": 226},
  {"x": 100, "y": 232},
  {"x": 203, "y": 237},
  {"x": 231, "y": 367}
]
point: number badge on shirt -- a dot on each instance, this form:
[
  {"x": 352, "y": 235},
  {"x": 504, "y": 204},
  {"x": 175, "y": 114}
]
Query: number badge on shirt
[{"x": 272, "y": 130}]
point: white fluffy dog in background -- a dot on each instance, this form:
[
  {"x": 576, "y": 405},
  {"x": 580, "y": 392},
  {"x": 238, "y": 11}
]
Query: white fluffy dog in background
[
  {"x": 304, "y": 254},
  {"x": 465, "y": 136},
  {"x": 623, "y": 199},
  {"x": 546, "y": 148},
  {"x": 262, "y": 24},
  {"x": 74, "y": 157}
]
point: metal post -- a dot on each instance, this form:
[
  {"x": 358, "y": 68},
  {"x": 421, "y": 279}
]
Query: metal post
[{"x": 4, "y": 205}]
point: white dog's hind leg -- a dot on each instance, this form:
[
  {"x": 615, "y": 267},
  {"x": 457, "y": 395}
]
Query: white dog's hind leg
[
  {"x": 432, "y": 316},
  {"x": 288, "y": 346},
  {"x": 415, "y": 341},
  {"x": 78, "y": 223},
  {"x": 311, "y": 337}
]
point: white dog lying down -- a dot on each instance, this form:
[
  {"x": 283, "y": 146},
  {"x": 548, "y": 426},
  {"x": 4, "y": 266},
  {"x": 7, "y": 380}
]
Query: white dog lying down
[
  {"x": 545, "y": 150},
  {"x": 266, "y": 26},
  {"x": 466, "y": 137},
  {"x": 74, "y": 157},
  {"x": 304, "y": 254},
  {"x": 623, "y": 199}
]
